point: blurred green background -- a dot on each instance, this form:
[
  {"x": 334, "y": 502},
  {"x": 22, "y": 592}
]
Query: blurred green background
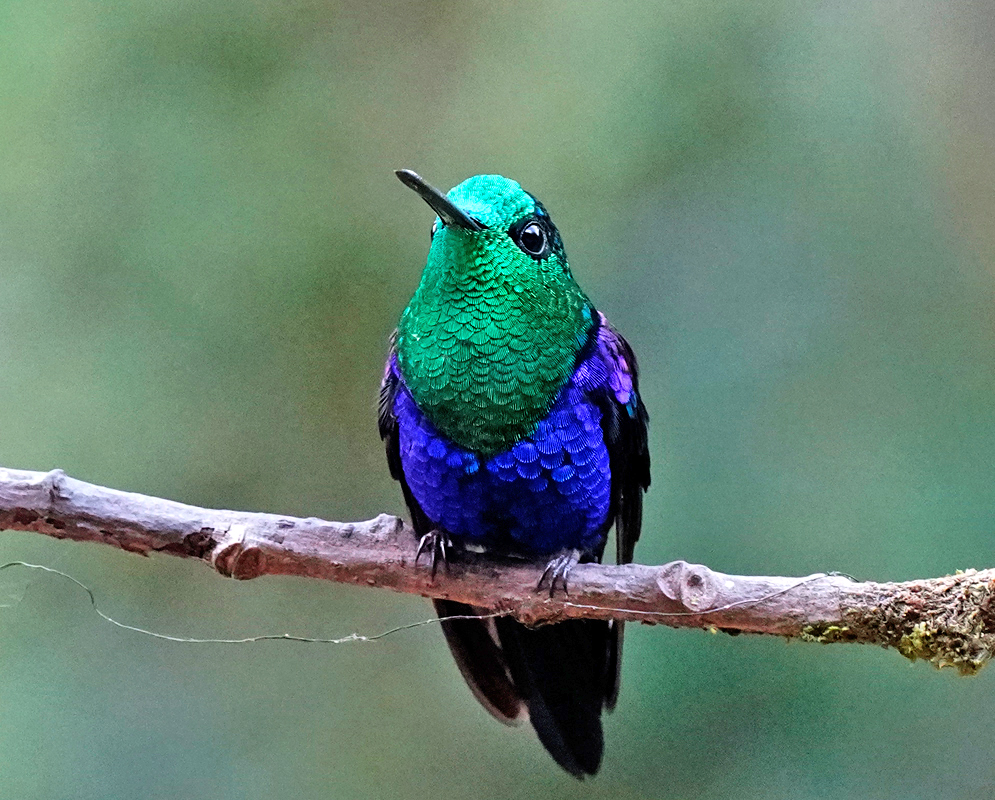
[{"x": 787, "y": 208}]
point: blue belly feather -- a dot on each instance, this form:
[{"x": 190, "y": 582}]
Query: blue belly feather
[{"x": 549, "y": 492}]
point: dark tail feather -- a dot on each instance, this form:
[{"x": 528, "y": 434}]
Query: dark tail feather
[
  {"x": 478, "y": 655},
  {"x": 562, "y": 674},
  {"x": 565, "y": 674}
]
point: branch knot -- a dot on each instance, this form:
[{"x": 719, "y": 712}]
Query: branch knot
[{"x": 691, "y": 585}]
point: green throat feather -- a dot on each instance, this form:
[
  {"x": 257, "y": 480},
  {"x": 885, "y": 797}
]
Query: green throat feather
[{"x": 493, "y": 331}]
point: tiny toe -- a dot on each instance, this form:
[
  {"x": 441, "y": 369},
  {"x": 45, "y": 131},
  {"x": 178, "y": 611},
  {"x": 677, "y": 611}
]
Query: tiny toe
[
  {"x": 435, "y": 545},
  {"x": 545, "y": 575},
  {"x": 558, "y": 569}
]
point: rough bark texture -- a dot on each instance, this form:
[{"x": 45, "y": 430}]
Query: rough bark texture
[{"x": 948, "y": 621}]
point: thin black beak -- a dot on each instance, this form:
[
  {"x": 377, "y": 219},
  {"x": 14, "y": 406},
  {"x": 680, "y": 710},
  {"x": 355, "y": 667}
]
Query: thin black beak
[{"x": 441, "y": 204}]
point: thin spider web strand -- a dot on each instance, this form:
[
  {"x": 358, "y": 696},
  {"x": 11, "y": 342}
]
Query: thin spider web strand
[
  {"x": 356, "y": 637},
  {"x": 287, "y": 637}
]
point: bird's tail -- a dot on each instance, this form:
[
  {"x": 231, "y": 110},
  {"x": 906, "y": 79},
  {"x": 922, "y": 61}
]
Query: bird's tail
[{"x": 561, "y": 675}]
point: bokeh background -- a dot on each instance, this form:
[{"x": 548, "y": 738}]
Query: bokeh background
[{"x": 786, "y": 206}]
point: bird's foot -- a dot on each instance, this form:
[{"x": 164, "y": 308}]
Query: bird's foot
[
  {"x": 557, "y": 570},
  {"x": 435, "y": 544}
]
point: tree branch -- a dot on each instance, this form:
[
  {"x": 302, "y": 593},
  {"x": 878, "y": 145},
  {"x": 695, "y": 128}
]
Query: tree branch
[{"x": 949, "y": 621}]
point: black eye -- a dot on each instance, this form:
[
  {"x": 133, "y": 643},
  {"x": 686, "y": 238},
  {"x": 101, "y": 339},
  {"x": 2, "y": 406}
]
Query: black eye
[
  {"x": 435, "y": 227},
  {"x": 532, "y": 239}
]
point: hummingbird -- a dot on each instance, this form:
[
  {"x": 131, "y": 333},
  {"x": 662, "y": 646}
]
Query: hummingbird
[{"x": 511, "y": 416}]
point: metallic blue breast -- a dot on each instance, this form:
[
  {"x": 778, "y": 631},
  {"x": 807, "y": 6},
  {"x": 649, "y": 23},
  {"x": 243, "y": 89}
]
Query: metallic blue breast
[{"x": 547, "y": 493}]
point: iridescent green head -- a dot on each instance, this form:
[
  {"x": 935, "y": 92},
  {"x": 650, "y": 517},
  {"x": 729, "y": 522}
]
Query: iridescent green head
[{"x": 494, "y": 329}]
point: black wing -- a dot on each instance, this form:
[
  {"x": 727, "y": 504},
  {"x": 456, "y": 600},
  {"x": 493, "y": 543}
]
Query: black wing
[
  {"x": 625, "y": 430},
  {"x": 386, "y": 420}
]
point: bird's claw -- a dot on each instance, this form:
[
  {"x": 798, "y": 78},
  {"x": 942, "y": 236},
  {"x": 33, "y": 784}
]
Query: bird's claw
[
  {"x": 435, "y": 543},
  {"x": 557, "y": 570}
]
